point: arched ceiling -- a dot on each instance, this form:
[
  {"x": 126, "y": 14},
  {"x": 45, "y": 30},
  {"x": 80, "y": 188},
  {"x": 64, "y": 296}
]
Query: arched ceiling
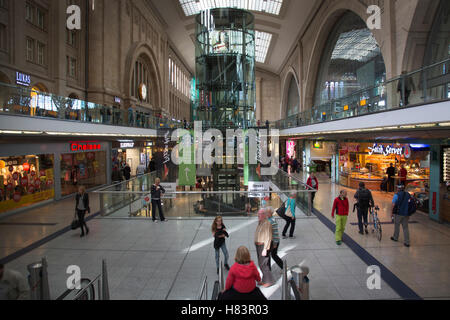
[{"x": 283, "y": 28}]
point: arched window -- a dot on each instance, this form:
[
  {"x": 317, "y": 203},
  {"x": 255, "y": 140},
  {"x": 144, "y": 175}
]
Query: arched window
[
  {"x": 293, "y": 99},
  {"x": 438, "y": 46},
  {"x": 351, "y": 60},
  {"x": 140, "y": 84}
]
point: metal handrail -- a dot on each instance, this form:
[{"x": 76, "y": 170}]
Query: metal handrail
[
  {"x": 204, "y": 289},
  {"x": 91, "y": 284},
  {"x": 206, "y": 192}
]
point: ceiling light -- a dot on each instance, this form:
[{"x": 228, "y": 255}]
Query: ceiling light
[
  {"x": 10, "y": 132},
  {"x": 428, "y": 125}
]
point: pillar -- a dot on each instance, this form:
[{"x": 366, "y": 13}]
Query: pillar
[{"x": 435, "y": 182}]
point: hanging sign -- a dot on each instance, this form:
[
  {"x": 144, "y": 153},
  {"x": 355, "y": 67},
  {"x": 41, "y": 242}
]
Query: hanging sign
[
  {"x": 26, "y": 166},
  {"x": 261, "y": 189}
]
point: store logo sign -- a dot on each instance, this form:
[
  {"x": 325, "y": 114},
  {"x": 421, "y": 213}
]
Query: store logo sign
[
  {"x": 385, "y": 150},
  {"x": 124, "y": 145},
  {"x": 23, "y": 79},
  {"x": 84, "y": 146}
]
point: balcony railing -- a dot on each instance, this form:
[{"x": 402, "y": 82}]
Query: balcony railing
[
  {"x": 24, "y": 101},
  {"x": 427, "y": 85}
]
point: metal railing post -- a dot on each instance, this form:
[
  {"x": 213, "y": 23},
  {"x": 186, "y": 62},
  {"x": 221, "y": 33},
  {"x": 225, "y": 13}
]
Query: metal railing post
[
  {"x": 44, "y": 278},
  {"x": 309, "y": 204},
  {"x": 285, "y": 294},
  {"x": 221, "y": 277},
  {"x": 105, "y": 285}
]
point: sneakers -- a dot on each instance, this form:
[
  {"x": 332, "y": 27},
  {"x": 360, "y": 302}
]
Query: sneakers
[
  {"x": 393, "y": 239},
  {"x": 155, "y": 221},
  {"x": 339, "y": 243},
  {"x": 284, "y": 237},
  {"x": 165, "y": 220}
]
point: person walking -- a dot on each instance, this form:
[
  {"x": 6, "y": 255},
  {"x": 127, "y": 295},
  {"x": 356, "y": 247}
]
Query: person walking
[
  {"x": 275, "y": 245},
  {"x": 313, "y": 183},
  {"x": 13, "y": 285},
  {"x": 127, "y": 172},
  {"x": 289, "y": 216},
  {"x": 340, "y": 209},
  {"x": 219, "y": 232},
  {"x": 156, "y": 191},
  {"x": 81, "y": 207},
  {"x": 364, "y": 202},
  {"x": 400, "y": 214},
  {"x": 242, "y": 279},
  {"x": 116, "y": 177},
  {"x": 391, "y": 174},
  {"x": 263, "y": 240}
]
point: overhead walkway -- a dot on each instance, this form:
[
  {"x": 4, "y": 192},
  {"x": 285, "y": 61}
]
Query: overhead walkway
[{"x": 382, "y": 107}]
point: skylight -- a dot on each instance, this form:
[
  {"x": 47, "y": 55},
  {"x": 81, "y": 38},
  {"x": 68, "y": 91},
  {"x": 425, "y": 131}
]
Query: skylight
[
  {"x": 358, "y": 45},
  {"x": 263, "y": 40},
  {"x": 192, "y": 7}
]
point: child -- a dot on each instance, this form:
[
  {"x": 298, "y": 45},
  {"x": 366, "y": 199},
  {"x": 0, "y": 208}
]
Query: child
[
  {"x": 242, "y": 279},
  {"x": 219, "y": 232}
]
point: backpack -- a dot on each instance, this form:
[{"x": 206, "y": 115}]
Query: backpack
[
  {"x": 364, "y": 197},
  {"x": 412, "y": 206}
]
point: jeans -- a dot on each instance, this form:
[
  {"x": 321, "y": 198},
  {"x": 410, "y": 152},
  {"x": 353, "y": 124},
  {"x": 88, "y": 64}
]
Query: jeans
[
  {"x": 225, "y": 253},
  {"x": 80, "y": 215},
  {"x": 289, "y": 222},
  {"x": 363, "y": 213},
  {"x": 157, "y": 203},
  {"x": 274, "y": 254},
  {"x": 401, "y": 220}
]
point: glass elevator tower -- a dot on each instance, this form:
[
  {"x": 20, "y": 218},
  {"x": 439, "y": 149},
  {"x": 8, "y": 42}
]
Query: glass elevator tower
[{"x": 225, "y": 80}]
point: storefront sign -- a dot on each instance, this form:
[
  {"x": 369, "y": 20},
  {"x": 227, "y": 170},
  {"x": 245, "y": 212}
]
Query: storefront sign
[
  {"x": 125, "y": 145},
  {"x": 85, "y": 146},
  {"x": 385, "y": 150},
  {"x": 407, "y": 152},
  {"x": 26, "y": 166},
  {"x": 23, "y": 79}
]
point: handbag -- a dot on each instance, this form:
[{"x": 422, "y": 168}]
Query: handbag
[
  {"x": 281, "y": 210},
  {"x": 75, "y": 223},
  {"x": 288, "y": 213}
]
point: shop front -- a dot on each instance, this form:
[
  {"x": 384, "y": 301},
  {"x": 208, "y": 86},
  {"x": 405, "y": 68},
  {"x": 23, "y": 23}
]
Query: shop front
[
  {"x": 33, "y": 173},
  {"x": 368, "y": 163},
  {"x": 133, "y": 153},
  {"x": 26, "y": 180}
]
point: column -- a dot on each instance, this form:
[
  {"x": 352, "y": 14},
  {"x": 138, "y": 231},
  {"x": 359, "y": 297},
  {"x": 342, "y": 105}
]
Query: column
[
  {"x": 259, "y": 100},
  {"x": 57, "y": 175},
  {"x": 435, "y": 182}
]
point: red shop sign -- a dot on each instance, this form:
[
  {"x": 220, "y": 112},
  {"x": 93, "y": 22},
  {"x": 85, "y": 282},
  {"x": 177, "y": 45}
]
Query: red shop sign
[
  {"x": 26, "y": 166},
  {"x": 85, "y": 146}
]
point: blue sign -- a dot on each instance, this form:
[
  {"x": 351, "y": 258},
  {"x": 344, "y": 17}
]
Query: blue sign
[{"x": 23, "y": 79}]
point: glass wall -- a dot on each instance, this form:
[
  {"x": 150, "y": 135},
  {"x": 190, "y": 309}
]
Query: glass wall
[
  {"x": 25, "y": 180},
  {"x": 351, "y": 61},
  {"x": 82, "y": 169}
]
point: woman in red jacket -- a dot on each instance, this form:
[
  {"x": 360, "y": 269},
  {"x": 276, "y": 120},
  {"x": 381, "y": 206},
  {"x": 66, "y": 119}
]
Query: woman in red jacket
[
  {"x": 242, "y": 279},
  {"x": 341, "y": 208}
]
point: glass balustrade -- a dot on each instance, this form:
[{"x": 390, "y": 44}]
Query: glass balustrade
[
  {"x": 132, "y": 199},
  {"x": 28, "y": 102},
  {"x": 426, "y": 85}
]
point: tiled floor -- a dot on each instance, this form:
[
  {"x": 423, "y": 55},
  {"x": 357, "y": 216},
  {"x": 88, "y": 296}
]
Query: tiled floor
[
  {"x": 424, "y": 267},
  {"x": 154, "y": 261}
]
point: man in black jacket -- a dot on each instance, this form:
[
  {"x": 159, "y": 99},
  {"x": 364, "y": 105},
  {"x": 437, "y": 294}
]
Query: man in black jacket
[
  {"x": 364, "y": 201},
  {"x": 156, "y": 191},
  {"x": 391, "y": 174}
]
